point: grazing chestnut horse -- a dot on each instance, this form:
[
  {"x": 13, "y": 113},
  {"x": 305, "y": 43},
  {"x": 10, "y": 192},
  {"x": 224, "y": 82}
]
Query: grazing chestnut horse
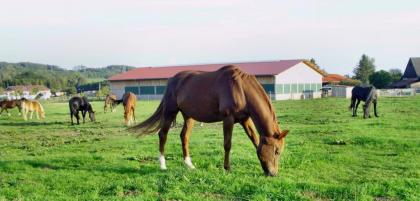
[
  {"x": 229, "y": 95},
  {"x": 129, "y": 101},
  {"x": 111, "y": 102},
  {"x": 32, "y": 106},
  {"x": 6, "y": 104},
  {"x": 77, "y": 104}
]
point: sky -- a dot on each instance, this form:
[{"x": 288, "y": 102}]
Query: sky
[{"x": 97, "y": 33}]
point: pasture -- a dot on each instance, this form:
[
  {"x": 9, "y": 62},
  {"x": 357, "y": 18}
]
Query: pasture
[{"x": 329, "y": 155}]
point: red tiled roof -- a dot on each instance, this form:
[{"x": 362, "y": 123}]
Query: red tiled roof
[
  {"x": 334, "y": 78},
  {"x": 254, "y": 68}
]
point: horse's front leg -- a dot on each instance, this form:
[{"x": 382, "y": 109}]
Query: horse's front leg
[
  {"x": 249, "y": 128},
  {"x": 77, "y": 117},
  {"x": 374, "y": 108},
  {"x": 366, "y": 108},
  {"x": 228, "y": 123},
  {"x": 83, "y": 115},
  {"x": 185, "y": 139}
]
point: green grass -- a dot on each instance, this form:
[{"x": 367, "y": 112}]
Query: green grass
[{"x": 329, "y": 156}]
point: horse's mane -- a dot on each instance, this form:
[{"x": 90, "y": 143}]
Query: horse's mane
[{"x": 248, "y": 78}]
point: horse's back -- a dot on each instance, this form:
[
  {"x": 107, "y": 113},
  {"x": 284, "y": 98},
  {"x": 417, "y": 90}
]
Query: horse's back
[
  {"x": 363, "y": 92},
  {"x": 197, "y": 92},
  {"x": 129, "y": 99}
]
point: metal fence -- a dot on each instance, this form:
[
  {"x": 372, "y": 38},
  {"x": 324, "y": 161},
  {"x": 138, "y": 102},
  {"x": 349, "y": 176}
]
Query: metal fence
[{"x": 399, "y": 92}]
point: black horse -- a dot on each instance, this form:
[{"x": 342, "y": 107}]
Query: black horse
[
  {"x": 77, "y": 104},
  {"x": 366, "y": 94}
]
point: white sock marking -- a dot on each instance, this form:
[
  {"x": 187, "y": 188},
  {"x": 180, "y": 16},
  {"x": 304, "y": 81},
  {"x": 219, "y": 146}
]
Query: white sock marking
[
  {"x": 188, "y": 162},
  {"x": 162, "y": 162}
]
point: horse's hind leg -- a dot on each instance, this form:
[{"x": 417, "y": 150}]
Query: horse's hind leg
[
  {"x": 248, "y": 126},
  {"x": 355, "y": 108},
  {"x": 185, "y": 139},
  {"x": 163, "y": 133},
  {"x": 32, "y": 114}
]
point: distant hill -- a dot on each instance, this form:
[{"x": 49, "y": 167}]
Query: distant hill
[
  {"x": 54, "y": 77},
  {"x": 102, "y": 73}
]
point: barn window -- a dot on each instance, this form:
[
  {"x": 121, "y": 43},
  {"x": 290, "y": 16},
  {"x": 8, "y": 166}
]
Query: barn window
[
  {"x": 301, "y": 87},
  {"x": 279, "y": 88},
  {"x": 160, "y": 89},
  {"x": 314, "y": 87},
  {"x": 307, "y": 87},
  {"x": 286, "y": 88},
  {"x": 269, "y": 88},
  {"x": 134, "y": 90},
  {"x": 294, "y": 88},
  {"x": 147, "y": 90}
]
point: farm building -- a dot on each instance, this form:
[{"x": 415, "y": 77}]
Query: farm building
[
  {"x": 283, "y": 79},
  {"x": 27, "y": 91},
  {"x": 411, "y": 76}
]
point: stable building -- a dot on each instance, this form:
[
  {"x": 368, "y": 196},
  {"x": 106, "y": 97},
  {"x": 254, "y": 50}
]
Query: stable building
[
  {"x": 411, "y": 76},
  {"x": 283, "y": 79}
]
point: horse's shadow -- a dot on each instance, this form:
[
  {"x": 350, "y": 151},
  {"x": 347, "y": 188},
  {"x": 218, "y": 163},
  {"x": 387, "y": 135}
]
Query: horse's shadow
[
  {"x": 55, "y": 165},
  {"x": 31, "y": 123}
]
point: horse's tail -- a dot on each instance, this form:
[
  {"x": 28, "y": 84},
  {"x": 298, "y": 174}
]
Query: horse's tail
[
  {"x": 352, "y": 102},
  {"x": 153, "y": 123}
]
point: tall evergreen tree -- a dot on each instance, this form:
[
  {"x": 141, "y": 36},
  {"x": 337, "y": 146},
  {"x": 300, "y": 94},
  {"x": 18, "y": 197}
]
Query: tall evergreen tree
[{"x": 364, "y": 69}]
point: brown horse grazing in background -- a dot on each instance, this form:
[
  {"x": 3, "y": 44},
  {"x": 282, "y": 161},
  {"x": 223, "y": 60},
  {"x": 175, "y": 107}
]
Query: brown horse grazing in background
[
  {"x": 231, "y": 96},
  {"x": 6, "y": 104},
  {"x": 111, "y": 102},
  {"x": 32, "y": 106},
  {"x": 129, "y": 101}
]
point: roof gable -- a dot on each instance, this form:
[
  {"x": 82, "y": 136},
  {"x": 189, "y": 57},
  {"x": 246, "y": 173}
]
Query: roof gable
[
  {"x": 254, "y": 68},
  {"x": 413, "y": 68}
]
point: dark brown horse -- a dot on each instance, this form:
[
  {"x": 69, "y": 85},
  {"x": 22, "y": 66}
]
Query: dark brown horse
[
  {"x": 129, "y": 101},
  {"x": 229, "y": 95},
  {"x": 10, "y": 104}
]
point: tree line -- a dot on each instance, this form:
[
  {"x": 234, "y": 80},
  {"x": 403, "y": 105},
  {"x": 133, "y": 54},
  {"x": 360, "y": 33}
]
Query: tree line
[
  {"x": 54, "y": 77},
  {"x": 366, "y": 73}
]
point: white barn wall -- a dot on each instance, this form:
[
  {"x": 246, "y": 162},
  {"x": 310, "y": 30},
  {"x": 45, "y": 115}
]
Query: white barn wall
[{"x": 298, "y": 74}]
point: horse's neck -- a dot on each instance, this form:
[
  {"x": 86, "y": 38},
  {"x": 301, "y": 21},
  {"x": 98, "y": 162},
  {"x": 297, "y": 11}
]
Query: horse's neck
[{"x": 261, "y": 113}]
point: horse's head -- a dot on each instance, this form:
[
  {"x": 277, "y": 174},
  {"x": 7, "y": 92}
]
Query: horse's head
[
  {"x": 92, "y": 116},
  {"x": 91, "y": 113},
  {"x": 269, "y": 151}
]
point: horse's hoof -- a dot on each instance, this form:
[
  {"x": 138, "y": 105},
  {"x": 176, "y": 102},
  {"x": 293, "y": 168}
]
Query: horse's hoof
[{"x": 227, "y": 168}]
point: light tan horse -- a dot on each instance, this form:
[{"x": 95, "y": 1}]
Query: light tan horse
[
  {"x": 129, "y": 101},
  {"x": 229, "y": 95},
  {"x": 111, "y": 102},
  {"x": 32, "y": 106}
]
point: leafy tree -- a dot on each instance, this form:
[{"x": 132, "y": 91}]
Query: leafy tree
[
  {"x": 396, "y": 74},
  {"x": 380, "y": 79},
  {"x": 349, "y": 82},
  {"x": 105, "y": 90},
  {"x": 364, "y": 69}
]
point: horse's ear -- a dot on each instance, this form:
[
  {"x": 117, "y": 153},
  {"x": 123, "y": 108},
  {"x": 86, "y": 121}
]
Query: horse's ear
[{"x": 282, "y": 134}]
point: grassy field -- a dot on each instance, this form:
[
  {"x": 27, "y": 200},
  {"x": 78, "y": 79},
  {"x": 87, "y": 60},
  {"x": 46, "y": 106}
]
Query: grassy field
[{"x": 328, "y": 156}]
